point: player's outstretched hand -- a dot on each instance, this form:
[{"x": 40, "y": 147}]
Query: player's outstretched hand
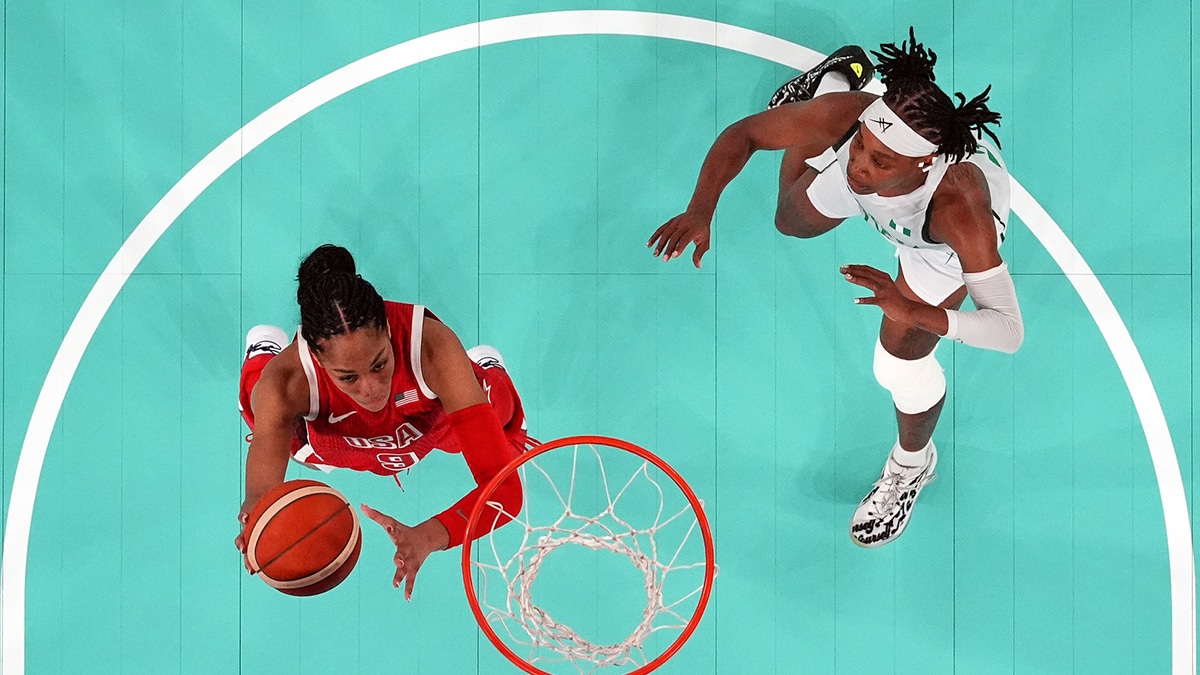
[
  {"x": 885, "y": 293},
  {"x": 413, "y": 545},
  {"x": 670, "y": 240}
]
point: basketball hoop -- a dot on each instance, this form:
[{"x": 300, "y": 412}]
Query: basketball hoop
[{"x": 631, "y": 517}]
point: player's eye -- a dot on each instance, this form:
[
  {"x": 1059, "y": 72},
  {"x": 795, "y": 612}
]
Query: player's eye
[
  {"x": 378, "y": 367},
  {"x": 348, "y": 378}
]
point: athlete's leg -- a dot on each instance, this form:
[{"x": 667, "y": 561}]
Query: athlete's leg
[
  {"x": 911, "y": 344},
  {"x": 850, "y": 66},
  {"x": 262, "y": 344},
  {"x": 501, "y": 392}
]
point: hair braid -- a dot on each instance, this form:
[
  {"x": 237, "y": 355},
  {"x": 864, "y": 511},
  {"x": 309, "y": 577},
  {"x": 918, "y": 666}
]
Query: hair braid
[
  {"x": 334, "y": 299},
  {"x": 907, "y": 72}
]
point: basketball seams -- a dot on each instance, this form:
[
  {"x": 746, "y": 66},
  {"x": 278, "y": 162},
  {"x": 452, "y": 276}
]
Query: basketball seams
[
  {"x": 322, "y": 574},
  {"x": 341, "y": 509},
  {"x": 289, "y": 499}
]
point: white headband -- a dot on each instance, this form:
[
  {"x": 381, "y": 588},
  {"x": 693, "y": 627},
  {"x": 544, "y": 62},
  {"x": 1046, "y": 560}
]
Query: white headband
[{"x": 893, "y": 132}]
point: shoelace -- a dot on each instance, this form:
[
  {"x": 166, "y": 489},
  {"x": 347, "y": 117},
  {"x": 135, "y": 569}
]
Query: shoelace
[{"x": 890, "y": 485}]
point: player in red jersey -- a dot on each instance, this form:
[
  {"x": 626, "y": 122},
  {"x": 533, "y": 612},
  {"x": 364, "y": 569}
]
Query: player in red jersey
[{"x": 375, "y": 386}]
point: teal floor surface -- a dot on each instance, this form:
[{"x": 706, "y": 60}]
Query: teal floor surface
[{"x": 511, "y": 188}]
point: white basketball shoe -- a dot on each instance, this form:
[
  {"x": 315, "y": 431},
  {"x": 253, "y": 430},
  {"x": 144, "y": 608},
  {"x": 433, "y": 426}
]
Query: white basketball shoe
[
  {"x": 265, "y": 339},
  {"x": 486, "y": 356},
  {"x": 885, "y": 511}
]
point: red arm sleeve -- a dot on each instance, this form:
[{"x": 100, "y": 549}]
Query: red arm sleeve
[{"x": 487, "y": 451}]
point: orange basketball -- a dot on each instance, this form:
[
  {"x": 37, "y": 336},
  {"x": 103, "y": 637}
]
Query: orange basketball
[{"x": 303, "y": 538}]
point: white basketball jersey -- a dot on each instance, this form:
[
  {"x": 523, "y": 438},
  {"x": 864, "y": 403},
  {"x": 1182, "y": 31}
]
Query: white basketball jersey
[{"x": 904, "y": 220}]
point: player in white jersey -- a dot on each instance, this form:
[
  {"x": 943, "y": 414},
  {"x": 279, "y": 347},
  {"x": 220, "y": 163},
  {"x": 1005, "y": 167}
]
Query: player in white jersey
[{"x": 914, "y": 164}]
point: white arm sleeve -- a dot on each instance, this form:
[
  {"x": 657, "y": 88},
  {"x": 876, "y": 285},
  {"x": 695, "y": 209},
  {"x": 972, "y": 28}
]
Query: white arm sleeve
[{"x": 996, "y": 323}]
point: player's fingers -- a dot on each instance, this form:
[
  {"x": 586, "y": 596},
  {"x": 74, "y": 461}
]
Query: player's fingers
[
  {"x": 860, "y": 269},
  {"x": 701, "y": 249},
  {"x": 690, "y": 236},
  {"x": 412, "y": 580},
  {"x": 398, "y": 577},
  {"x": 240, "y": 543},
  {"x": 866, "y": 301},
  {"x": 664, "y": 240},
  {"x": 869, "y": 284},
  {"x": 679, "y": 241},
  {"x": 385, "y": 521},
  {"x": 657, "y": 233},
  {"x": 390, "y": 525},
  {"x": 664, "y": 235},
  {"x": 867, "y": 272}
]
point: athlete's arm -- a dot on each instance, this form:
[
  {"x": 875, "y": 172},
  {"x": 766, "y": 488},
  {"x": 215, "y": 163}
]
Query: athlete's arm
[
  {"x": 960, "y": 215},
  {"x": 279, "y": 401},
  {"x": 447, "y": 368},
  {"x": 449, "y": 373},
  {"x": 809, "y": 128}
]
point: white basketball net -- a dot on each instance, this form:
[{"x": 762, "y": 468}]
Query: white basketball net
[{"x": 531, "y": 627}]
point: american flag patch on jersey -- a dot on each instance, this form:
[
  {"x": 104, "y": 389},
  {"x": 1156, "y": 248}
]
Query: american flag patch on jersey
[{"x": 407, "y": 397}]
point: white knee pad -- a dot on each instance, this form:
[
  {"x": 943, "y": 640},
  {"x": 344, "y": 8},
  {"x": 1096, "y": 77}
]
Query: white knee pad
[{"x": 916, "y": 386}]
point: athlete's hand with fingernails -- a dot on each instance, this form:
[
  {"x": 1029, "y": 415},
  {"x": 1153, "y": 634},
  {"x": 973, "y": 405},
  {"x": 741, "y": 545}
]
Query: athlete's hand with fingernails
[
  {"x": 689, "y": 227},
  {"x": 240, "y": 540},
  {"x": 413, "y": 545},
  {"x": 886, "y": 295}
]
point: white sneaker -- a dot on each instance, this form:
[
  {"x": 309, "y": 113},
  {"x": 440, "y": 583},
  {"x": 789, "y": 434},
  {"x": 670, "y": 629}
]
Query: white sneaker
[
  {"x": 265, "y": 339},
  {"x": 884, "y": 512},
  {"x": 486, "y": 356}
]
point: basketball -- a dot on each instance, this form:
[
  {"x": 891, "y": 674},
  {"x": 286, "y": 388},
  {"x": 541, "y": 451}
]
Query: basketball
[{"x": 302, "y": 538}]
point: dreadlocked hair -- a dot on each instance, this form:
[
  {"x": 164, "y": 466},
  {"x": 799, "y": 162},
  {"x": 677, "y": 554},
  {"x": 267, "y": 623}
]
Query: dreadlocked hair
[
  {"x": 907, "y": 72},
  {"x": 334, "y": 299}
]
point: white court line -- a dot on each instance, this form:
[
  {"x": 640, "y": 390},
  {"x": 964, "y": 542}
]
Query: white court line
[{"x": 495, "y": 31}]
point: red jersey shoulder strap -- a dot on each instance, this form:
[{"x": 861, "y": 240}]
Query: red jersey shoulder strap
[
  {"x": 408, "y": 323},
  {"x": 310, "y": 373}
]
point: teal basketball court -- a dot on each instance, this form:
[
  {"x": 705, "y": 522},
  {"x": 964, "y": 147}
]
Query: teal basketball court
[{"x": 511, "y": 187}]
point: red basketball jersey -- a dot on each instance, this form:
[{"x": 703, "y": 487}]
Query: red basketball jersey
[{"x": 342, "y": 433}]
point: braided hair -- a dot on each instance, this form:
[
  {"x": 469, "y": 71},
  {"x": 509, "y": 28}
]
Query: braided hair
[
  {"x": 334, "y": 299},
  {"x": 907, "y": 72}
]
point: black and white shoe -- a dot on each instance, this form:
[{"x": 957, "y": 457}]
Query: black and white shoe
[
  {"x": 850, "y": 61},
  {"x": 885, "y": 511},
  {"x": 265, "y": 339}
]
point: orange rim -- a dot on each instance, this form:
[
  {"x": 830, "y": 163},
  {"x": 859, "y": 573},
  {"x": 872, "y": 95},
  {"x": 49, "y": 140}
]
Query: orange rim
[{"x": 702, "y": 521}]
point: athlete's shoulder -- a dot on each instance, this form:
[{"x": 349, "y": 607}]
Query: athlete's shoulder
[
  {"x": 963, "y": 186},
  {"x": 960, "y": 213},
  {"x": 398, "y": 309},
  {"x": 406, "y": 312}
]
